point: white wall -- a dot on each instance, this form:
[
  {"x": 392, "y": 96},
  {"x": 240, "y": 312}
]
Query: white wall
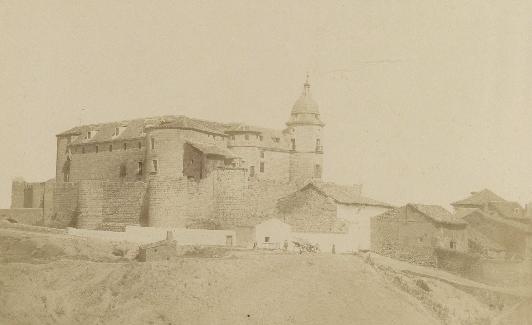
[
  {"x": 144, "y": 235},
  {"x": 358, "y": 217},
  {"x": 277, "y": 230}
]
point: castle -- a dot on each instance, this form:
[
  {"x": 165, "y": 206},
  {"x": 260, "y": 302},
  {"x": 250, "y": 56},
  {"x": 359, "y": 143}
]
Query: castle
[{"x": 176, "y": 171}]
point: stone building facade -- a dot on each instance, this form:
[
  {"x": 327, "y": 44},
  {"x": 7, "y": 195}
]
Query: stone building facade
[
  {"x": 415, "y": 232},
  {"x": 175, "y": 171}
]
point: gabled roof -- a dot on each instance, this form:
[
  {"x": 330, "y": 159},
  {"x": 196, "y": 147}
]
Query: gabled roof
[
  {"x": 438, "y": 214},
  {"x": 510, "y": 210},
  {"x": 214, "y": 150},
  {"x": 345, "y": 194},
  {"x": 493, "y": 216},
  {"x": 464, "y": 212},
  {"x": 479, "y": 198}
]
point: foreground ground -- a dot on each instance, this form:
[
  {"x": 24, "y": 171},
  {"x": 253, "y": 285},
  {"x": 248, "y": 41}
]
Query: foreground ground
[{"x": 55, "y": 279}]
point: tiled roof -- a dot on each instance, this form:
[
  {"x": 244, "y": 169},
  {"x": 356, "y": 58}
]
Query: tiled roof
[
  {"x": 135, "y": 128},
  {"x": 511, "y": 210},
  {"x": 464, "y": 212},
  {"x": 183, "y": 122},
  {"x": 345, "y": 194},
  {"x": 438, "y": 214},
  {"x": 479, "y": 198},
  {"x": 210, "y": 149}
]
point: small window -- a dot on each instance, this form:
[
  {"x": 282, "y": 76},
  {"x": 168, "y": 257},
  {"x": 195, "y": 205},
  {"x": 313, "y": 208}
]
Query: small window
[
  {"x": 82, "y": 149},
  {"x": 246, "y": 136},
  {"x": 267, "y": 239},
  {"x": 117, "y": 132},
  {"x": 262, "y": 167},
  {"x": 152, "y": 143},
  {"x": 110, "y": 148},
  {"x": 452, "y": 244},
  {"x": 97, "y": 149},
  {"x": 139, "y": 168},
  {"x": 262, "y": 154},
  {"x": 123, "y": 170},
  {"x": 251, "y": 171},
  {"x": 125, "y": 146},
  {"x": 155, "y": 166}
]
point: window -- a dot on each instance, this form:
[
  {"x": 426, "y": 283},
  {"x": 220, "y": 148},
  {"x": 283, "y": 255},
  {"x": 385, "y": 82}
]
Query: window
[
  {"x": 125, "y": 146},
  {"x": 97, "y": 149},
  {"x": 152, "y": 143},
  {"x": 110, "y": 148},
  {"x": 266, "y": 239},
  {"x": 155, "y": 167},
  {"x": 123, "y": 170},
  {"x": 262, "y": 154},
  {"x": 246, "y": 136},
  {"x": 89, "y": 134},
  {"x": 251, "y": 171},
  {"x": 452, "y": 244},
  {"x": 261, "y": 137},
  {"x": 293, "y": 144},
  {"x": 140, "y": 145},
  {"x": 117, "y": 132},
  {"x": 82, "y": 149},
  {"x": 139, "y": 168},
  {"x": 262, "y": 167}
]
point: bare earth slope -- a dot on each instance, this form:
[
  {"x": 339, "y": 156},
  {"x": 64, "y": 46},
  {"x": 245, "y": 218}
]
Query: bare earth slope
[{"x": 241, "y": 288}]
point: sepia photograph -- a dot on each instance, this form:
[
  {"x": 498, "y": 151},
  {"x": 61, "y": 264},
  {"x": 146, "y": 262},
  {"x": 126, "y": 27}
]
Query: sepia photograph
[{"x": 266, "y": 162}]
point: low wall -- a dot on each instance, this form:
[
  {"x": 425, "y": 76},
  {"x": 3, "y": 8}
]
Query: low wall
[
  {"x": 145, "y": 235},
  {"x": 27, "y": 216}
]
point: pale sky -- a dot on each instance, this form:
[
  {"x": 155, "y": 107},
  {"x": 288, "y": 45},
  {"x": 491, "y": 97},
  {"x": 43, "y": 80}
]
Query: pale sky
[{"x": 424, "y": 101}]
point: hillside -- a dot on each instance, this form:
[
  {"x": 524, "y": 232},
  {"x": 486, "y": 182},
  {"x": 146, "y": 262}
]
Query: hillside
[{"x": 55, "y": 279}]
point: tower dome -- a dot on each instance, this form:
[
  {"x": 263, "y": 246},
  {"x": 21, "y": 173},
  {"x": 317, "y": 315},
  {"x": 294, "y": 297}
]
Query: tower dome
[{"x": 305, "y": 109}]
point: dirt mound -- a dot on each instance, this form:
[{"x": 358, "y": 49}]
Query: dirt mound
[{"x": 250, "y": 289}]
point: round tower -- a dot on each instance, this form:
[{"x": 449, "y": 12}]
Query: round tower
[{"x": 305, "y": 130}]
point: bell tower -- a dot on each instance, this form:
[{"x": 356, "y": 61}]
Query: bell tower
[{"x": 305, "y": 130}]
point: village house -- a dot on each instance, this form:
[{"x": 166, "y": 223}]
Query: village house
[
  {"x": 498, "y": 228},
  {"x": 327, "y": 208},
  {"x": 415, "y": 233}
]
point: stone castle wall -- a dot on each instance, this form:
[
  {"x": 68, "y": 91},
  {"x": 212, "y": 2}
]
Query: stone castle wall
[{"x": 65, "y": 204}]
